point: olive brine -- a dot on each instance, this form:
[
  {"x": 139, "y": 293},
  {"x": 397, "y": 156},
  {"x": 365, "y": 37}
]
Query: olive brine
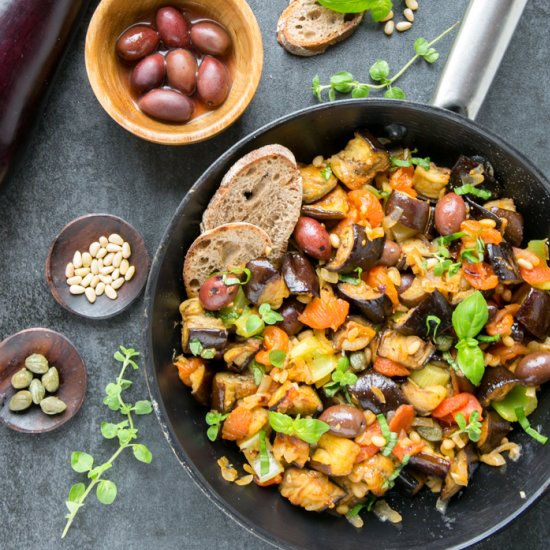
[{"x": 398, "y": 341}]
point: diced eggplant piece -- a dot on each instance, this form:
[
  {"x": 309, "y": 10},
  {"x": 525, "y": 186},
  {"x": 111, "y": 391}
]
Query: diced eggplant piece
[
  {"x": 334, "y": 206},
  {"x": 410, "y": 483},
  {"x": 415, "y": 321},
  {"x": 534, "y": 313},
  {"x": 238, "y": 356},
  {"x": 266, "y": 285},
  {"x": 493, "y": 429},
  {"x": 360, "y": 161},
  {"x": 495, "y": 384},
  {"x": 478, "y": 212},
  {"x": 310, "y": 489},
  {"x": 413, "y": 294},
  {"x": 430, "y": 464},
  {"x": 415, "y": 213},
  {"x": 291, "y": 398},
  {"x": 209, "y": 331},
  {"x": 504, "y": 264},
  {"x": 377, "y": 393},
  {"x": 376, "y": 307},
  {"x": 374, "y": 472},
  {"x": 423, "y": 399},
  {"x": 299, "y": 275},
  {"x": 396, "y": 346},
  {"x": 356, "y": 250},
  {"x": 467, "y": 169},
  {"x": 513, "y": 231},
  {"x": 290, "y": 450},
  {"x": 291, "y": 310},
  {"x": 315, "y": 184},
  {"x": 460, "y": 472},
  {"x": 429, "y": 183},
  {"x": 228, "y": 388},
  {"x": 355, "y": 334},
  {"x": 201, "y": 384},
  {"x": 334, "y": 456}
]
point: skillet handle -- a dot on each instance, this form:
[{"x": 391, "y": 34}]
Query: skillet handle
[{"x": 482, "y": 39}]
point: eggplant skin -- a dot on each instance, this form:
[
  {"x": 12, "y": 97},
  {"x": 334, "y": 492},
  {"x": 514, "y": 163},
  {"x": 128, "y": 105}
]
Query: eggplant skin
[
  {"x": 493, "y": 429},
  {"x": 534, "y": 313},
  {"x": 504, "y": 264},
  {"x": 266, "y": 284},
  {"x": 495, "y": 384},
  {"x": 394, "y": 346},
  {"x": 368, "y": 399},
  {"x": 416, "y": 212},
  {"x": 513, "y": 232},
  {"x": 415, "y": 321},
  {"x": 478, "y": 212},
  {"x": 373, "y": 305},
  {"x": 299, "y": 275},
  {"x": 462, "y": 168}
]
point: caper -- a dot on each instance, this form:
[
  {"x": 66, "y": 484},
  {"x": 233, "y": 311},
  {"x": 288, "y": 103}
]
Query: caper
[
  {"x": 20, "y": 401},
  {"x": 50, "y": 380},
  {"x": 21, "y": 379},
  {"x": 359, "y": 360},
  {"x": 37, "y": 363},
  {"x": 52, "y": 405},
  {"x": 37, "y": 391}
]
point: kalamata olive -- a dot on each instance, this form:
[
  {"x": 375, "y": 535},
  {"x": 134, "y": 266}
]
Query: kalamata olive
[
  {"x": 534, "y": 369},
  {"x": 148, "y": 73},
  {"x": 137, "y": 42},
  {"x": 312, "y": 237},
  {"x": 291, "y": 310},
  {"x": 173, "y": 27},
  {"x": 450, "y": 212},
  {"x": 181, "y": 68},
  {"x": 214, "y": 294},
  {"x": 213, "y": 82},
  {"x": 167, "y": 105},
  {"x": 210, "y": 38},
  {"x": 344, "y": 420},
  {"x": 391, "y": 254},
  {"x": 406, "y": 282}
]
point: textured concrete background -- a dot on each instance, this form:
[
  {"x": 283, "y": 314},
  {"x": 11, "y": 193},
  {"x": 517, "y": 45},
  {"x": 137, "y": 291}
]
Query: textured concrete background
[{"x": 78, "y": 161}]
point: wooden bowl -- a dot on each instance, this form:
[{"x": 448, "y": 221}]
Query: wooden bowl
[
  {"x": 72, "y": 377},
  {"x": 110, "y": 83},
  {"x": 78, "y": 235}
]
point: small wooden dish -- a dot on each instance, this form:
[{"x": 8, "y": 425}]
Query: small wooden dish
[
  {"x": 78, "y": 235},
  {"x": 60, "y": 354},
  {"x": 111, "y": 88}
]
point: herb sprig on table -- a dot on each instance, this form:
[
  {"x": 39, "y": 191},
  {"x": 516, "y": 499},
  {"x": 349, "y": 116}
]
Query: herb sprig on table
[
  {"x": 344, "y": 82},
  {"x": 378, "y": 9},
  {"x": 125, "y": 431}
]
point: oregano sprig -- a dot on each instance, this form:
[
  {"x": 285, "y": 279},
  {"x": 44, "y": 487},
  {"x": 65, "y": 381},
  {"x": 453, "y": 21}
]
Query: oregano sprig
[
  {"x": 344, "y": 82},
  {"x": 125, "y": 431}
]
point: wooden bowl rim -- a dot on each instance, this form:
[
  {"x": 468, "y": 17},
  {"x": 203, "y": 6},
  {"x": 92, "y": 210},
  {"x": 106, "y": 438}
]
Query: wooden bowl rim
[
  {"x": 184, "y": 137},
  {"x": 137, "y": 290}
]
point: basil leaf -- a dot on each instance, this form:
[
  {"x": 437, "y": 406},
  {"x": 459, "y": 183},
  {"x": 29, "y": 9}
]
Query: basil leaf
[
  {"x": 470, "y": 316},
  {"x": 471, "y": 363},
  {"x": 469, "y": 189},
  {"x": 281, "y": 423},
  {"x": 524, "y": 423},
  {"x": 264, "y": 457},
  {"x": 379, "y": 9},
  {"x": 310, "y": 430},
  {"x": 326, "y": 172},
  {"x": 277, "y": 358},
  {"x": 350, "y": 277}
]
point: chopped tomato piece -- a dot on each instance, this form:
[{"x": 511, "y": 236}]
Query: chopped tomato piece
[
  {"x": 402, "y": 180},
  {"x": 539, "y": 275},
  {"x": 480, "y": 276},
  {"x": 507, "y": 353},
  {"x": 464, "y": 403},
  {"x": 237, "y": 424},
  {"x": 503, "y": 321},
  {"x": 325, "y": 312},
  {"x": 474, "y": 229},
  {"x": 402, "y": 419},
  {"x": 274, "y": 338},
  {"x": 377, "y": 277},
  {"x": 368, "y": 449},
  {"x": 364, "y": 206},
  {"x": 186, "y": 367},
  {"x": 402, "y": 449},
  {"x": 390, "y": 368}
]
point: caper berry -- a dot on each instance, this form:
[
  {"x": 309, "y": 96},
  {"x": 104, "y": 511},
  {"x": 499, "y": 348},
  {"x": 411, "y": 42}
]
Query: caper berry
[
  {"x": 37, "y": 363},
  {"x": 37, "y": 391},
  {"x": 52, "y": 405},
  {"x": 50, "y": 380},
  {"x": 20, "y": 401},
  {"x": 21, "y": 379}
]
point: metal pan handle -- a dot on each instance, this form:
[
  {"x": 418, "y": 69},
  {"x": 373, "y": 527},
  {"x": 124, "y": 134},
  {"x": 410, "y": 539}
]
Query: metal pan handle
[{"x": 482, "y": 39}]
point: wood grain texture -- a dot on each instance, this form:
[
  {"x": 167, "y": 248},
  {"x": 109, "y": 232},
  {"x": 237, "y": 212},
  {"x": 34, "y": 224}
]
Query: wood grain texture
[
  {"x": 245, "y": 63},
  {"x": 78, "y": 235},
  {"x": 72, "y": 377}
]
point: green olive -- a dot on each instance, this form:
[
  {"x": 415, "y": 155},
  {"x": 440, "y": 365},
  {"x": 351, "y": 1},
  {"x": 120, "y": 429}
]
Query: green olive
[
  {"x": 20, "y": 401},
  {"x": 37, "y": 363},
  {"x": 37, "y": 391},
  {"x": 52, "y": 405},
  {"x": 21, "y": 379},
  {"x": 50, "y": 380}
]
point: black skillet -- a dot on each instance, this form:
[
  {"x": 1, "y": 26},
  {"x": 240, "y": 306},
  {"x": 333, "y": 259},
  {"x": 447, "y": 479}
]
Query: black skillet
[{"x": 495, "y": 496}]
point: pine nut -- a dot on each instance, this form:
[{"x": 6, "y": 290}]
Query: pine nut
[
  {"x": 75, "y": 280},
  {"x": 87, "y": 280},
  {"x": 409, "y": 15},
  {"x": 108, "y": 260},
  {"x": 403, "y": 26},
  {"x": 411, "y": 4},
  {"x": 388, "y": 28},
  {"x": 76, "y": 289},
  {"x": 115, "y": 274},
  {"x": 124, "y": 265},
  {"x": 94, "y": 268},
  {"x": 388, "y": 17},
  {"x": 110, "y": 292},
  {"x": 107, "y": 279},
  {"x": 86, "y": 259},
  {"x": 115, "y": 238},
  {"x": 394, "y": 276},
  {"x": 113, "y": 247},
  {"x": 117, "y": 259},
  {"x": 94, "y": 249},
  {"x": 130, "y": 273},
  {"x": 82, "y": 271},
  {"x": 100, "y": 264},
  {"x": 507, "y": 295},
  {"x": 69, "y": 270},
  {"x": 107, "y": 270},
  {"x": 100, "y": 288},
  {"x": 95, "y": 281},
  {"x": 77, "y": 259},
  {"x": 379, "y": 441},
  {"x": 101, "y": 253},
  {"x": 413, "y": 346},
  {"x": 117, "y": 283},
  {"x": 334, "y": 240},
  {"x": 447, "y": 445},
  {"x": 103, "y": 241},
  {"x": 508, "y": 341},
  {"x": 526, "y": 264},
  {"x": 486, "y": 222},
  {"x": 90, "y": 294},
  {"x": 126, "y": 250}
]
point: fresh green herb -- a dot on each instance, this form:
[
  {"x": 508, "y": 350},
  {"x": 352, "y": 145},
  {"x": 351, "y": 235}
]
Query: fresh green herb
[
  {"x": 341, "y": 378},
  {"x": 264, "y": 456},
  {"x": 378, "y": 193},
  {"x": 231, "y": 313},
  {"x": 390, "y": 482},
  {"x": 474, "y": 255},
  {"x": 448, "y": 239},
  {"x": 368, "y": 505},
  {"x": 469, "y": 189},
  {"x": 524, "y": 423},
  {"x": 436, "y": 322},
  {"x": 249, "y": 324},
  {"x": 197, "y": 349},
  {"x": 416, "y": 161},
  {"x": 277, "y": 358},
  {"x": 214, "y": 419},
  {"x": 472, "y": 428},
  {"x": 326, "y": 172},
  {"x": 258, "y": 372},
  {"x": 379, "y": 9},
  {"x": 470, "y": 360},
  {"x": 125, "y": 431},
  {"x": 269, "y": 316},
  {"x": 449, "y": 358},
  {"x": 344, "y": 82},
  {"x": 387, "y": 434},
  {"x": 232, "y": 277},
  {"x": 350, "y": 277},
  {"x": 444, "y": 261},
  {"x": 488, "y": 339},
  {"x": 307, "y": 429}
]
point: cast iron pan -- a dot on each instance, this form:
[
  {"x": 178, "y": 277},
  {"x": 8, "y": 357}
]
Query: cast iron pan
[{"x": 493, "y": 498}]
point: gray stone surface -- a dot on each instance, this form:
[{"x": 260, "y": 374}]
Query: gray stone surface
[{"x": 78, "y": 161}]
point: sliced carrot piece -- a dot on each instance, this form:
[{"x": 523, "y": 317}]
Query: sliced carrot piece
[
  {"x": 503, "y": 321},
  {"x": 464, "y": 403},
  {"x": 274, "y": 338},
  {"x": 237, "y": 424},
  {"x": 377, "y": 277},
  {"x": 390, "y": 368},
  {"x": 505, "y": 354},
  {"x": 474, "y": 229},
  {"x": 329, "y": 312},
  {"x": 364, "y": 206},
  {"x": 402, "y": 180},
  {"x": 402, "y": 449},
  {"x": 480, "y": 276},
  {"x": 402, "y": 419},
  {"x": 186, "y": 367}
]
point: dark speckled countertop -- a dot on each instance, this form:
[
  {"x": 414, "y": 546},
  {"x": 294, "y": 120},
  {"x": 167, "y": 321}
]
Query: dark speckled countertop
[{"x": 78, "y": 161}]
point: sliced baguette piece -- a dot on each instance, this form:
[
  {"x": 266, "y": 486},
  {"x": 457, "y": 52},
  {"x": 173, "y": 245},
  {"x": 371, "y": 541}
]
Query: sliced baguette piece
[
  {"x": 226, "y": 246},
  {"x": 306, "y": 28},
  {"x": 263, "y": 188}
]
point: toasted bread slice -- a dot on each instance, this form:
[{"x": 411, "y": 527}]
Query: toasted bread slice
[
  {"x": 226, "y": 246},
  {"x": 306, "y": 28},
  {"x": 263, "y": 188}
]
